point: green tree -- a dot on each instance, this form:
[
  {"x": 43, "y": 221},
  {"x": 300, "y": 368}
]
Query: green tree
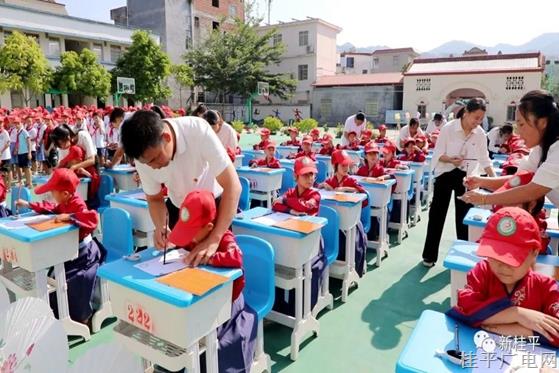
[
  {"x": 23, "y": 66},
  {"x": 82, "y": 75},
  {"x": 233, "y": 62},
  {"x": 148, "y": 65},
  {"x": 184, "y": 76}
]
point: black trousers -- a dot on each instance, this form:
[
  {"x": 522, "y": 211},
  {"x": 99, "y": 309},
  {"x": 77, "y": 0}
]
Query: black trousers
[{"x": 445, "y": 184}]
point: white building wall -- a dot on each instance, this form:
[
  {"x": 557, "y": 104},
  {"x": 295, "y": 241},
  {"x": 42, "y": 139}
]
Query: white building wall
[{"x": 361, "y": 62}]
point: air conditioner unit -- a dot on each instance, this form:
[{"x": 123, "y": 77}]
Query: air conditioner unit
[{"x": 310, "y": 49}]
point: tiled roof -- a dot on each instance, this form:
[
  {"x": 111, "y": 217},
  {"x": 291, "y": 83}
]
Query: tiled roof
[{"x": 359, "y": 79}]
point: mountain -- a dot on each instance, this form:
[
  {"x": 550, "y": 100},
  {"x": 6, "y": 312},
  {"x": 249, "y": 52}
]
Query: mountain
[{"x": 348, "y": 47}]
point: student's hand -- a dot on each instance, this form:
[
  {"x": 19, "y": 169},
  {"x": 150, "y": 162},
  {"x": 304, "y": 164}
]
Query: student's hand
[
  {"x": 136, "y": 178},
  {"x": 22, "y": 203},
  {"x": 29, "y": 156},
  {"x": 253, "y": 165},
  {"x": 297, "y": 213},
  {"x": 456, "y": 161},
  {"x": 62, "y": 218},
  {"x": 539, "y": 322},
  {"x": 326, "y": 186},
  {"x": 159, "y": 238},
  {"x": 202, "y": 252},
  {"x": 473, "y": 182}
]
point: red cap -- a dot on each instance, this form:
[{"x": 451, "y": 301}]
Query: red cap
[
  {"x": 371, "y": 147},
  {"x": 408, "y": 140},
  {"x": 327, "y": 137},
  {"x": 304, "y": 165},
  {"x": 264, "y": 132},
  {"x": 62, "y": 180},
  {"x": 352, "y": 133},
  {"x": 382, "y": 127},
  {"x": 421, "y": 138},
  {"x": 197, "y": 210},
  {"x": 315, "y": 131},
  {"x": 294, "y": 130},
  {"x": 389, "y": 148},
  {"x": 367, "y": 133},
  {"x": 270, "y": 144},
  {"x": 307, "y": 140},
  {"x": 14, "y": 118},
  {"x": 341, "y": 157},
  {"x": 509, "y": 236}
]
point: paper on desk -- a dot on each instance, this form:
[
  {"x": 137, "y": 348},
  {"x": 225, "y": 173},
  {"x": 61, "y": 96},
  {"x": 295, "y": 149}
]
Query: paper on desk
[
  {"x": 193, "y": 280},
  {"x": 272, "y": 219},
  {"x": 155, "y": 267},
  {"x": 137, "y": 195},
  {"x": 22, "y": 222}
]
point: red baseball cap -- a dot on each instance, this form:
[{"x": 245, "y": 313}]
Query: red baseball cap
[
  {"x": 341, "y": 157},
  {"x": 62, "y": 180},
  {"x": 389, "y": 148},
  {"x": 304, "y": 165},
  {"x": 382, "y": 127},
  {"x": 327, "y": 139},
  {"x": 315, "y": 131},
  {"x": 371, "y": 147},
  {"x": 197, "y": 210},
  {"x": 270, "y": 144},
  {"x": 408, "y": 140},
  {"x": 264, "y": 132},
  {"x": 367, "y": 133},
  {"x": 352, "y": 133},
  {"x": 307, "y": 139},
  {"x": 294, "y": 130},
  {"x": 509, "y": 236}
]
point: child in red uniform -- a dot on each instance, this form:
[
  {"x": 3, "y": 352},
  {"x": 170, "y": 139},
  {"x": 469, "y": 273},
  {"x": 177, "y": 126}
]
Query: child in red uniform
[
  {"x": 411, "y": 153},
  {"x": 71, "y": 208},
  {"x": 4, "y": 212},
  {"x": 270, "y": 161},
  {"x": 366, "y": 136},
  {"x": 503, "y": 295},
  {"x": 353, "y": 142},
  {"x": 371, "y": 164},
  {"x": 237, "y": 336},
  {"x": 327, "y": 145},
  {"x": 264, "y": 139},
  {"x": 315, "y": 135},
  {"x": 293, "y": 141},
  {"x": 238, "y": 150},
  {"x": 75, "y": 155},
  {"x": 433, "y": 137},
  {"x": 306, "y": 150},
  {"x": 381, "y": 139},
  {"x": 389, "y": 157},
  {"x": 421, "y": 144},
  {"x": 301, "y": 200}
]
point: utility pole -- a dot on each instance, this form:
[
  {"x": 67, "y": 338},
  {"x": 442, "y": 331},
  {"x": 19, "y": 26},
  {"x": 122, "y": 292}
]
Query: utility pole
[{"x": 269, "y": 10}]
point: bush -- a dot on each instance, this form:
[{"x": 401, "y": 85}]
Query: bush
[
  {"x": 238, "y": 125},
  {"x": 339, "y": 130},
  {"x": 273, "y": 124},
  {"x": 306, "y": 125},
  {"x": 370, "y": 125}
]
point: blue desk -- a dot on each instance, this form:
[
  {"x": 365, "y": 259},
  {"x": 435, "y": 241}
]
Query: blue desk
[
  {"x": 239, "y": 160},
  {"x": 500, "y": 157},
  {"x": 134, "y": 202},
  {"x": 404, "y": 180},
  {"x": 263, "y": 181},
  {"x": 82, "y": 187},
  {"x": 418, "y": 168},
  {"x": 285, "y": 151},
  {"x": 435, "y": 331},
  {"x": 252, "y": 154},
  {"x": 328, "y": 160},
  {"x": 174, "y": 317},
  {"x": 294, "y": 252},
  {"x": 123, "y": 175}
]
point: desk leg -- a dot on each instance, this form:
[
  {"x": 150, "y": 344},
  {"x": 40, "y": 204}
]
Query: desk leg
[
  {"x": 348, "y": 249},
  {"x": 269, "y": 200},
  {"x": 106, "y": 310},
  {"x": 211, "y": 352},
  {"x": 403, "y": 217},
  {"x": 299, "y": 301},
  {"x": 554, "y": 245},
  {"x": 71, "y": 327},
  {"x": 41, "y": 285},
  {"x": 417, "y": 216},
  {"x": 382, "y": 235},
  {"x": 193, "y": 358},
  {"x": 308, "y": 323}
]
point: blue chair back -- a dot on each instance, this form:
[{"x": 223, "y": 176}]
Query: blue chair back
[
  {"x": 366, "y": 214},
  {"x": 287, "y": 180},
  {"x": 330, "y": 233},
  {"x": 244, "y": 201},
  {"x": 322, "y": 169},
  {"x": 106, "y": 187},
  {"x": 20, "y": 192},
  {"x": 116, "y": 224},
  {"x": 259, "y": 271},
  {"x": 411, "y": 191},
  {"x": 247, "y": 158}
]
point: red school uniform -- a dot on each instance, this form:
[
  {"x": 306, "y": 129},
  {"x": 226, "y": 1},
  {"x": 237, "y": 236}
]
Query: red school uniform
[
  {"x": 269, "y": 163},
  {"x": 347, "y": 181},
  {"x": 393, "y": 163},
  {"x": 326, "y": 151},
  {"x": 295, "y": 142},
  {"x": 308, "y": 202},
  {"x": 376, "y": 171},
  {"x": 303, "y": 153},
  {"x": 485, "y": 296},
  {"x": 354, "y": 145},
  {"x": 413, "y": 157}
]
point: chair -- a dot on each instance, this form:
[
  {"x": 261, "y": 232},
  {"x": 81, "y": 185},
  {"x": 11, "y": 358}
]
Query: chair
[
  {"x": 244, "y": 201},
  {"x": 116, "y": 225},
  {"x": 287, "y": 180},
  {"x": 106, "y": 187},
  {"x": 331, "y": 236},
  {"x": 20, "y": 192},
  {"x": 259, "y": 291},
  {"x": 322, "y": 172},
  {"x": 366, "y": 214},
  {"x": 247, "y": 158}
]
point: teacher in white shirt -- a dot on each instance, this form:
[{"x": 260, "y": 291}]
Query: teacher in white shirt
[
  {"x": 184, "y": 154},
  {"x": 460, "y": 151},
  {"x": 354, "y": 123},
  {"x": 410, "y": 130},
  {"x": 537, "y": 123}
]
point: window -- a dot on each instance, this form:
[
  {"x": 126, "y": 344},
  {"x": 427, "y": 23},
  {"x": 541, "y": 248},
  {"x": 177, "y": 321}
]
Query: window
[
  {"x": 116, "y": 52},
  {"x": 303, "y": 72},
  {"x": 371, "y": 108},
  {"x": 232, "y": 10},
  {"x": 201, "y": 97},
  {"x": 423, "y": 84},
  {"x": 215, "y": 25},
  {"x": 350, "y": 62},
  {"x": 196, "y": 22},
  {"x": 376, "y": 63},
  {"x": 188, "y": 42},
  {"x": 98, "y": 50},
  {"x": 422, "y": 110},
  {"x": 511, "y": 112},
  {"x": 396, "y": 60},
  {"x": 547, "y": 62},
  {"x": 365, "y": 71},
  {"x": 54, "y": 47},
  {"x": 514, "y": 83},
  {"x": 326, "y": 107},
  {"x": 277, "y": 39},
  {"x": 303, "y": 38},
  {"x": 557, "y": 62},
  {"x": 215, "y": 3}
]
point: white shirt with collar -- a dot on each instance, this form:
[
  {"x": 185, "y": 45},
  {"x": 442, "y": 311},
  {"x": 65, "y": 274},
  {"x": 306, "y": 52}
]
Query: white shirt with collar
[
  {"x": 350, "y": 126},
  {"x": 494, "y": 137},
  {"x": 453, "y": 142},
  {"x": 85, "y": 142},
  {"x": 228, "y": 136},
  {"x": 432, "y": 127},
  {"x": 546, "y": 174},
  {"x": 405, "y": 133},
  {"x": 199, "y": 158}
]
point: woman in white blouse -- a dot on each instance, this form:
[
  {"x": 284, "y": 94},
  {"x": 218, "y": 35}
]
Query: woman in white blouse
[
  {"x": 537, "y": 123},
  {"x": 460, "y": 151}
]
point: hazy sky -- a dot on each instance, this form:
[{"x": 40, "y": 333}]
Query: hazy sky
[{"x": 423, "y": 24}]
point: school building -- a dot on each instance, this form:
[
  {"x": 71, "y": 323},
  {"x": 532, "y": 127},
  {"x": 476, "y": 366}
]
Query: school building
[
  {"x": 57, "y": 32},
  {"x": 379, "y": 61}
]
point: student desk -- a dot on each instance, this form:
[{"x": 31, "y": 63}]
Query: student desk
[
  {"x": 316, "y": 146},
  {"x": 498, "y": 163},
  {"x": 163, "y": 324},
  {"x": 294, "y": 252},
  {"x": 350, "y": 214},
  {"x": 286, "y": 150},
  {"x": 238, "y": 160},
  {"x": 403, "y": 185},
  {"x": 435, "y": 331},
  {"x": 462, "y": 257},
  {"x": 123, "y": 175},
  {"x": 418, "y": 168},
  {"x": 263, "y": 182},
  {"x": 328, "y": 160},
  {"x": 134, "y": 202},
  {"x": 82, "y": 187},
  {"x": 250, "y": 154},
  {"x": 27, "y": 255},
  {"x": 500, "y": 157},
  {"x": 380, "y": 193}
]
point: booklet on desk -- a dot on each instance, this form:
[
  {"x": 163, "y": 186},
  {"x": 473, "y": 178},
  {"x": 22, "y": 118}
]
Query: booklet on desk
[
  {"x": 193, "y": 280},
  {"x": 47, "y": 225},
  {"x": 155, "y": 267},
  {"x": 23, "y": 222},
  {"x": 298, "y": 225}
]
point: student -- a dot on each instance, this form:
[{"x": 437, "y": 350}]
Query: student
[
  {"x": 70, "y": 208},
  {"x": 366, "y": 136},
  {"x": 435, "y": 125},
  {"x": 354, "y": 123},
  {"x": 23, "y": 151},
  {"x": 51, "y": 154},
  {"x": 264, "y": 139},
  {"x": 503, "y": 295},
  {"x": 99, "y": 136},
  {"x": 200, "y": 110},
  {"x": 353, "y": 142},
  {"x": 225, "y": 133},
  {"x": 389, "y": 159},
  {"x": 433, "y": 137},
  {"x": 327, "y": 145},
  {"x": 421, "y": 144},
  {"x": 306, "y": 150},
  {"x": 41, "y": 156},
  {"x": 237, "y": 337},
  {"x": 75, "y": 156},
  {"x": 4, "y": 212},
  {"x": 33, "y": 133},
  {"x": 293, "y": 141},
  {"x": 301, "y": 200},
  {"x": 315, "y": 135},
  {"x": 5, "y": 155},
  {"x": 410, "y": 152},
  {"x": 411, "y": 130},
  {"x": 270, "y": 160},
  {"x": 495, "y": 138},
  {"x": 113, "y": 137},
  {"x": 381, "y": 139},
  {"x": 372, "y": 166}
]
